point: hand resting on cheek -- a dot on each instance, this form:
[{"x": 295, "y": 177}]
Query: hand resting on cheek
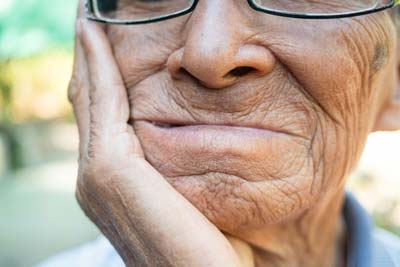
[{"x": 145, "y": 218}]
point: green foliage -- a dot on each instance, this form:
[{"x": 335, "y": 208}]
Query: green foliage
[
  {"x": 5, "y": 92},
  {"x": 6, "y": 116},
  {"x": 31, "y": 26}
]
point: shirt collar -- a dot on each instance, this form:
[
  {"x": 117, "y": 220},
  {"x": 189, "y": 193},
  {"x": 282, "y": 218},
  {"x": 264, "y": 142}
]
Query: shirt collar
[{"x": 359, "y": 233}]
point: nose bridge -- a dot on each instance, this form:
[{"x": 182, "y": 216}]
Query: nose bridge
[
  {"x": 213, "y": 23},
  {"x": 216, "y": 49},
  {"x": 212, "y": 40}
]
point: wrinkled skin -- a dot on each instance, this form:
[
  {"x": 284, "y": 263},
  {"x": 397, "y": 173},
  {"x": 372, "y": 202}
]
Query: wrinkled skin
[
  {"x": 320, "y": 96},
  {"x": 291, "y": 103}
]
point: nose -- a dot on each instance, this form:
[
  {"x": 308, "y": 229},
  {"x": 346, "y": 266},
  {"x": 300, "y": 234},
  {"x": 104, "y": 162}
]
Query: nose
[{"x": 217, "y": 51}]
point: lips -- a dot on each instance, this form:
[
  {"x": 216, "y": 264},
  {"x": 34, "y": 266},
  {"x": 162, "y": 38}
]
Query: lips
[
  {"x": 199, "y": 125},
  {"x": 197, "y": 136},
  {"x": 191, "y": 134},
  {"x": 177, "y": 149},
  {"x": 202, "y": 126}
]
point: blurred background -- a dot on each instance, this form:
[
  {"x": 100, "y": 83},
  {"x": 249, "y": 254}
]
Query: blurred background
[{"x": 39, "y": 215}]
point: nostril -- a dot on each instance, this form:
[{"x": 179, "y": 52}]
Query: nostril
[{"x": 240, "y": 71}]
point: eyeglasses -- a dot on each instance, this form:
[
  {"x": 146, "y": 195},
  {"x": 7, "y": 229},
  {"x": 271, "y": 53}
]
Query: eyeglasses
[{"x": 147, "y": 11}]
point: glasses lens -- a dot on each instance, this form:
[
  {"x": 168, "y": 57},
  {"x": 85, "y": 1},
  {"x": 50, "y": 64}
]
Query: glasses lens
[
  {"x": 138, "y": 10},
  {"x": 319, "y": 7}
]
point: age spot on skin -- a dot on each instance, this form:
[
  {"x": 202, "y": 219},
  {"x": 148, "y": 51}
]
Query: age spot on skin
[{"x": 380, "y": 57}]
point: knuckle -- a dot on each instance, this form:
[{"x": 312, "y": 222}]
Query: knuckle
[
  {"x": 83, "y": 195},
  {"x": 97, "y": 174},
  {"x": 86, "y": 188},
  {"x": 80, "y": 196},
  {"x": 86, "y": 202},
  {"x": 74, "y": 88}
]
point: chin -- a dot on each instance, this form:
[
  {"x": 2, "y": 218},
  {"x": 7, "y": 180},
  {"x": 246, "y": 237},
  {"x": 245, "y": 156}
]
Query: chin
[{"x": 235, "y": 204}]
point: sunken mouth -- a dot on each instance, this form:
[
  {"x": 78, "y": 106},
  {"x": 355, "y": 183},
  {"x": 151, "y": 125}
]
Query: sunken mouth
[
  {"x": 198, "y": 126},
  {"x": 169, "y": 125},
  {"x": 178, "y": 125}
]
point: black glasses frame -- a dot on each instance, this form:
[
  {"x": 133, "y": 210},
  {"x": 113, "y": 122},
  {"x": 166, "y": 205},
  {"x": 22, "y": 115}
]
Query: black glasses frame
[{"x": 90, "y": 13}]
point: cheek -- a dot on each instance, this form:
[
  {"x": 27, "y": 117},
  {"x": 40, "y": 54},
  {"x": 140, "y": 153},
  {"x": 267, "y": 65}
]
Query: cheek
[
  {"x": 143, "y": 50},
  {"x": 337, "y": 74},
  {"x": 340, "y": 77}
]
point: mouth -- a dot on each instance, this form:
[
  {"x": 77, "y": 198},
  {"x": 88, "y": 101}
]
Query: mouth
[
  {"x": 192, "y": 132},
  {"x": 173, "y": 125},
  {"x": 177, "y": 147},
  {"x": 200, "y": 126}
]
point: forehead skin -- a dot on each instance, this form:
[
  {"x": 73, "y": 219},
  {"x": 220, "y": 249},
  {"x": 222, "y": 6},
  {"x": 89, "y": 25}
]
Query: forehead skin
[{"x": 318, "y": 84}]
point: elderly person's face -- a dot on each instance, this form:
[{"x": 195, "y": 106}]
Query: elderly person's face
[{"x": 255, "y": 118}]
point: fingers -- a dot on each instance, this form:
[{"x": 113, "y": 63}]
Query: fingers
[
  {"x": 109, "y": 108},
  {"x": 78, "y": 90},
  {"x": 78, "y": 95}
]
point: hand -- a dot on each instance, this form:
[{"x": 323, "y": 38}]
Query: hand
[{"x": 145, "y": 218}]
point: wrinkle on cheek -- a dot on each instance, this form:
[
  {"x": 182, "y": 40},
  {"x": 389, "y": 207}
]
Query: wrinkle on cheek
[
  {"x": 333, "y": 163},
  {"x": 319, "y": 71},
  {"x": 371, "y": 40},
  {"x": 140, "y": 54},
  {"x": 376, "y": 39}
]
